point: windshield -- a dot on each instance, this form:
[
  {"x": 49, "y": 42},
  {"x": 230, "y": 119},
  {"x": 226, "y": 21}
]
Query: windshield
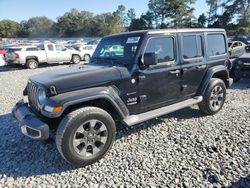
[{"x": 117, "y": 48}]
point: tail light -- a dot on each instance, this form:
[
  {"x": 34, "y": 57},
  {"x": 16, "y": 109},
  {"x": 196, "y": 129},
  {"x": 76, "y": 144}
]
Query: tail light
[{"x": 16, "y": 55}]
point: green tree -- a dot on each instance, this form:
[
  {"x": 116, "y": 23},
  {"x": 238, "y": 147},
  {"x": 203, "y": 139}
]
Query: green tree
[
  {"x": 182, "y": 13},
  {"x": 39, "y": 26},
  {"x": 105, "y": 24},
  {"x": 142, "y": 23},
  {"x": 131, "y": 15},
  {"x": 69, "y": 23},
  {"x": 202, "y": 20},
  {"x": 161, "y": 9},
  {"x": 213, "y": 10},
  {"x": 120, "y": 13},
  {"x": 9, "y": 28}
]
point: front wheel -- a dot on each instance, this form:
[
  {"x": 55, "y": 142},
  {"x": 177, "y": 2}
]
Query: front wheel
[
  {"x": 76, "y": 59},
  {"x": 86, "y": 57},
  {"x": 85, "y": 135},
  {"x": 214, "y": 97}
]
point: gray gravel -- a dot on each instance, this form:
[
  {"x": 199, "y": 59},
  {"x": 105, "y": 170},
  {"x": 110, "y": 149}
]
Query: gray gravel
[{"x": 182, "y": 149}]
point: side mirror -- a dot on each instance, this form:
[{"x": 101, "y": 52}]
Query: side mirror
[
  {"x": 150, "y": 59},
  {"x": 64, "y": 49}
]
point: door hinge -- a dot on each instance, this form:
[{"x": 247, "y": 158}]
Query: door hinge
[{"x": 141, "y": 78}]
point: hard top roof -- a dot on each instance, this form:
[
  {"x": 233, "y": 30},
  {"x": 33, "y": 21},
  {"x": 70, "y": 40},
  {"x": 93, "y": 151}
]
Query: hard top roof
[{"x": 163, "y": 31}]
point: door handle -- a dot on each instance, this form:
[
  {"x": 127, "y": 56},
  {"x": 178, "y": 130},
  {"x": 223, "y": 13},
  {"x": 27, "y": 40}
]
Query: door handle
[
  {"x": 176, "y": 72},
  {"x": 201, "y": 66}
]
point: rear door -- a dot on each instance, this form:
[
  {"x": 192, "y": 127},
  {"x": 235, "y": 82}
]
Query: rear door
[{"x": 193, "y": 63}]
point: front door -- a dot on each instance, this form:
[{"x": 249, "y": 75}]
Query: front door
[
  {"x": 193, "y": 64},
  {"x": 159, "y": 85},
  {"x": 63, "y": 54}
]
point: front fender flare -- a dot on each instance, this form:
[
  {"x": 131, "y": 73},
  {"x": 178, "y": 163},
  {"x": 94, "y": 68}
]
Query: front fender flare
[{"x": 76, "y": 97}]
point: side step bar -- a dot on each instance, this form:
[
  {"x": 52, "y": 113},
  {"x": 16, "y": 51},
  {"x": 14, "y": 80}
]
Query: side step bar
[{"x": 135, "y": 119}]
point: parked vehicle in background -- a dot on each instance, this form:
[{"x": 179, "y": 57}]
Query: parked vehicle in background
[
  {"x": 241, "y": 68},
  {"x": 11, "y": 55},
  {"x": 31, "y": 57},
  {"x": 158, "y": 72},
  {"x": 94, "y": 42},
  {"x": 86, "y": 51},
  {"x": 236, "y": 49},
  {"x": 113, "y": 51}
]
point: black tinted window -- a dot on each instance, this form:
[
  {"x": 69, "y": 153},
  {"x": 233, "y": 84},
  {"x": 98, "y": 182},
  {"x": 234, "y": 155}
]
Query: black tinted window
[
  {"x": 50, "y": 47},
  {"x": 192, "y": 46},
  {"x": 163, "y": 47},
  {"x": 216, "y": 44},
  {"x": 41, "y": 47},
  {"x": 31, "y": 49}
]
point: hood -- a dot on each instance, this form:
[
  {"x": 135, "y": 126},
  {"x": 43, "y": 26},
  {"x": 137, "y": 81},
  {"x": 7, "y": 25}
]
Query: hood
[{"x": 77, "y": 77}]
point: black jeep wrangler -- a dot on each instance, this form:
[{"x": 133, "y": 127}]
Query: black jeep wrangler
[{"x": 132, "y": 77}]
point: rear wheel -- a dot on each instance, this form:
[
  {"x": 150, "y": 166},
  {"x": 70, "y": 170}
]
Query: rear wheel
[
  {"x": 214, "y": 97},
  {"x": 76, "y": 59},
  {"x": 32, "y": 64},
  {"x": 84, "y": 136}
]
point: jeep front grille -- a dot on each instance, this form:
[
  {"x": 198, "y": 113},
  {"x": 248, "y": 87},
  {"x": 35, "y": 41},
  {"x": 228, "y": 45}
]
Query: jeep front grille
[{"x": 32, "y": 90}]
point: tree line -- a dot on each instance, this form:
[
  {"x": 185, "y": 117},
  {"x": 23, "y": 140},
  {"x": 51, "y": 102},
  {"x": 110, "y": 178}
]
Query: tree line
[{"x": 233, "y": 15}]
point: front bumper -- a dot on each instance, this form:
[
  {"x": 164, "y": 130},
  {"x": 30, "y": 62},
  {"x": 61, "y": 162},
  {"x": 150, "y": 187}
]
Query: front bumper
[{"x": 29, "y": 124}]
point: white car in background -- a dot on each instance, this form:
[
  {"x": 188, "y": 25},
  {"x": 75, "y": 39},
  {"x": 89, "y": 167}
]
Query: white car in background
[
  {"x": 86, "y": 51},
  {"x": 44, "y": 53},
  {"x": 2, "y": 61}
]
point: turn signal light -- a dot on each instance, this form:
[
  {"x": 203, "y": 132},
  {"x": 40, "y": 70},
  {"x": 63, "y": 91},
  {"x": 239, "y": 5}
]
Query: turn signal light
[{"x": 57, "y": 109}]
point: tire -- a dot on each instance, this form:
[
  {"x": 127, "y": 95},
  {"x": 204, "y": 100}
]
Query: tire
[
  {"x": 76, "y": 59},
  {"x": 214, "y": 97},
  {"x": 32, "y": 64},
  {"x": 75, "y": 138},
  {"x": 86, "y": 57}
]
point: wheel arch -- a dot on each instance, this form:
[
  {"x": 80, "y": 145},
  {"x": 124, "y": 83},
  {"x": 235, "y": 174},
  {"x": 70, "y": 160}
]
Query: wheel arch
[
  {"x": 105, "y": 98},
  {"x": 99, "y": 102},
  {"x": 220, "y": 72},
  {"x": 31, "y": 57}
]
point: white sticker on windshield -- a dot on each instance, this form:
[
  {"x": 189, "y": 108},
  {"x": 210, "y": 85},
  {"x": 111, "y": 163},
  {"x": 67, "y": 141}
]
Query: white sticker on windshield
[{"x": 132, "y": 40}]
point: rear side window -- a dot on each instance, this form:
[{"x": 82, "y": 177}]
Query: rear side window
[
  {"x": 41, "y": 47},
  {"x": 163, "y": 47},
  {"x": 216, "y": 44},
  {"x": 50, "y": 47},
  {"x": 192, "y": 46}
]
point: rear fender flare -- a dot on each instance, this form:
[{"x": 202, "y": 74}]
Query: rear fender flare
[{"x": 214, "y": 72}]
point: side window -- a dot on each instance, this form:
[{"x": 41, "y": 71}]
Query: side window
[
  {"x": 31, "y": 49},
  {"x": 50, "y": 47},
  {"x": 41, "y": 47},
  {"x": 59, "y": 48},
  {"x": 192, "y": 46},
  {"x": 216, "y": 44},
  {"x": 163, "y": 47}
]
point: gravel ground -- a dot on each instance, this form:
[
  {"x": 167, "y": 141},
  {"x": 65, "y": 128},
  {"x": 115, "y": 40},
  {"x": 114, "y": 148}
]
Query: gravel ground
[{"x": 182, "y": 149}]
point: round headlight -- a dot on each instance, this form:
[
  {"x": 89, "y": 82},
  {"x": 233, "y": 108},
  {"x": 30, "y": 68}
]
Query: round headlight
[
  {"x": 41, "y": 96},
  {"x": 240, "y": 62}
]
